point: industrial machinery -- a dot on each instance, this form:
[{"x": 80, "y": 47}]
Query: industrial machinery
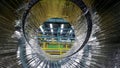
[{"x": 59, "y": 33}]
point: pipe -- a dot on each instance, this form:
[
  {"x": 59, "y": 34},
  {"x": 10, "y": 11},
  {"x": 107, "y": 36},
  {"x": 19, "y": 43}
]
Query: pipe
[{"x": 104, "y": 41}]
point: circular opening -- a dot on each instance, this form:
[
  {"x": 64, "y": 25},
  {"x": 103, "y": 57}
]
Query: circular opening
[{"x": 34, "y": 19}]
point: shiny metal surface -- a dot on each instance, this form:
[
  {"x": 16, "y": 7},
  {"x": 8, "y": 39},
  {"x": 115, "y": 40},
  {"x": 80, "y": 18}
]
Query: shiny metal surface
[{"x": 103, "y": 50}]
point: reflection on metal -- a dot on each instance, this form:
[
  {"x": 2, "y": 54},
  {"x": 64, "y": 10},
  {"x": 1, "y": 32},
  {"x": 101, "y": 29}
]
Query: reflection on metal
[
  {"x": 104, "y": 42},
  {"x": 79, "y": 4}
]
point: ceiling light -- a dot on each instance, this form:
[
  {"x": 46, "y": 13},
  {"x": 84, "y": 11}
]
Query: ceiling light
[
  {"x": 52, "y": 30},
  {"x": 62, "y": 26},
  {"x": 70, "y": 31},
  {"x": 61, "y": 31},
  {"x": 51, "y": 26},
  {"x": 42, "y": 29}
]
